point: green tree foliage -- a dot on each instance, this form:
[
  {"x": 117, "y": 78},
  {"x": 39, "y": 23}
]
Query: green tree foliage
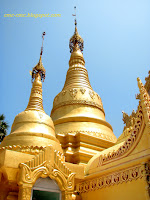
[{"x": 3, "y": 127}]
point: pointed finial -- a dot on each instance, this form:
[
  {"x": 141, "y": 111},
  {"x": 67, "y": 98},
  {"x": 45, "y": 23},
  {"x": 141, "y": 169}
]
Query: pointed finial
[
  {"x": 76, "y": 40},
  {"x": 39, "y": 69},
  {"x": 75, "y": 16},
  {"x": 43, "y": 34}
]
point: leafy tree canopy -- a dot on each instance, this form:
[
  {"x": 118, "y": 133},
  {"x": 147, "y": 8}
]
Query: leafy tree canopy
[{"x": 3, "y": 127}]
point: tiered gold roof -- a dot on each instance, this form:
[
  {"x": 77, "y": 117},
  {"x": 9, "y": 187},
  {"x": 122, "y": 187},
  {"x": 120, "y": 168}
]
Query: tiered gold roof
[
  {"x": 33, "y": 127},
  {"x": 78, "y": 112}
]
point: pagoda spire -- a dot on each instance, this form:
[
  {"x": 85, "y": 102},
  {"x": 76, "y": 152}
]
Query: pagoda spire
[
  {"x": 38, "y": 76},
  {"x": 77, "y": 75}
]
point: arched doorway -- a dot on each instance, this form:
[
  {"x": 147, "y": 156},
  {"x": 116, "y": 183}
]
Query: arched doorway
[{"x": 45, "y": 189}]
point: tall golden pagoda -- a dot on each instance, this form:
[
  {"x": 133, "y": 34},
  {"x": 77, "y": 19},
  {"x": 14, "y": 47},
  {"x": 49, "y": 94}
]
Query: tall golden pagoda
[{"x": 78, "y": 113}]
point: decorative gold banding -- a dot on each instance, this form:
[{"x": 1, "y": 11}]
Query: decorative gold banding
[
  {"x": 24, "y": 148},
  {"x": 74, "y": 102},
  {"x": 76, "y": 61},
  {"x": 111, "y": 179},
  {"x": 36, "y": 99},
  {"x": 99, "y": 135},
  {"x": 34, "y": 134}
]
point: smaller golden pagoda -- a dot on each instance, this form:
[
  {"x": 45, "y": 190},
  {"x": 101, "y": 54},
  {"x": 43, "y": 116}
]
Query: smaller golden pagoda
[{"x": 33, "y": 127}]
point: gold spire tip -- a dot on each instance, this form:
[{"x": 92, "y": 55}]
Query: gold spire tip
[
  {"x": 76, "y": 40},
  {"x": 39, "y": 69},
  {"x": 75, "y": 21},
  {"x": 43, "y": 34}
]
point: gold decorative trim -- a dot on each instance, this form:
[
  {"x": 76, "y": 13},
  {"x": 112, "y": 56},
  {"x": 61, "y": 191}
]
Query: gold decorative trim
[
  {"x": 128, "y": 143},
  {"x": 47, "y": 163},
  {"x": 129, "y": 122},
  {"x": 147, "y": 169},
  {"x": 89, "y": 133},
  {"x": 63, "y": 92},
  {"x": 82, "y": 102},
  {"x": 76, "y": 61},
  {"x": 147, "y": 84},
  {"x": 145, "y": 101},
  {"x": 77, "y": 68},
  {"x": 73, "y": 92},
  {"x": 92, "y": 94},
  {"x": 36, "y": 99},
  {"x": 24, "y": 149},
  {"x": 129, "y": 174},
  {"x": 82, "y": 90},
  {"x": 142, "y": 115},
  {"x": 99, "y": 98}
]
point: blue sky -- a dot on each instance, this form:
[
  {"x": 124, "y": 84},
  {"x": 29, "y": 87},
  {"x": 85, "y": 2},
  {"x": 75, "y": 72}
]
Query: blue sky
[{"x": 116, "y": 37}]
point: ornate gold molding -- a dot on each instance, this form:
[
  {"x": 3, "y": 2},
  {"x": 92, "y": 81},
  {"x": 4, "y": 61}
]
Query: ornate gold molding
[
  {"x": 47, "y": 163},
  {"x": 111, "y": 179},
  {"x": 25, "y": 192},
  {"x": 24, "y": 149},
  {"x": 129, "y": 121},
  {"x": 99, "y": 135},
  {"x": 147, "y": 84},
  {"x": 145, "y": 102},
  {"x": 128, "y": 143},
  {"x": 82, "y": 90},
  {"x": 147, "y": 169},
  {"x": 77, "y": 96},
  {"x": 92, "y": 94},
  {"x": 36, "y": 99},
  {"x": 78, "y": 67},
  {"x": 74, "y": 102},
  {"x": 73, "y": 92}
]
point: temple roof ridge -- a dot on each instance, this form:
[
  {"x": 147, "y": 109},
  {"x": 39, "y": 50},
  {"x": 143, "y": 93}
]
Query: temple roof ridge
[
  {"x": 145, "y": 100},
  {"x": 119, "y": 149}
]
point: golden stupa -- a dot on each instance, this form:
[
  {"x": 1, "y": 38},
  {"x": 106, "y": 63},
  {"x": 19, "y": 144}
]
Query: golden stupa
[
  {"x": 33, "y": 127},
  {"x": 79, "y": 159},
  {"x": 78, "y": 113}
]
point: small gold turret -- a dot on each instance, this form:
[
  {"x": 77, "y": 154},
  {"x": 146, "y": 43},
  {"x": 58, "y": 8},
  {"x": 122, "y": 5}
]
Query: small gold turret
[
  {"x": 33, "y": 127},
  {"x": 36, "y": 100},
  {"x": 78, "y": 112}
]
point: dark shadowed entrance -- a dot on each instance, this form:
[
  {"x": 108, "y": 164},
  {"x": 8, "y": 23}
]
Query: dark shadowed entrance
[
  {"x": 46, "y": 189},
  {"x": 44, "y": 195}
]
